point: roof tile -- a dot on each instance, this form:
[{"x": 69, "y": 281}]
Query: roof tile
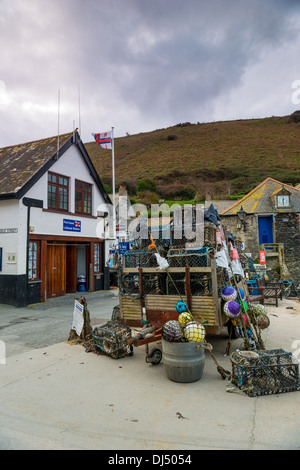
[
  {"x": 258, "y": 201},
  {"x": 19, "y": 163}
]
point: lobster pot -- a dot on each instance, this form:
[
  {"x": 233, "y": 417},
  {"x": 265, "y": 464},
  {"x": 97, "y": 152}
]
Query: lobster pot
[
  {"x": 111, "y": 339},
  {"x": 183, "y": 362},
  {"x": 184, "y": 237},
  {"x": 139, "y": 258},
  {"x": 176, "y": 284},
  {"x": 178, "y": 258},
  {"x": 210, "y": 234},
  {"x": 161, "y": 236},
  {"x": 265, "y": 372}
]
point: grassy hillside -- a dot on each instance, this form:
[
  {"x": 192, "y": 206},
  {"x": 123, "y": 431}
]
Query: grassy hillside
[{"x": 223, "y": 158}]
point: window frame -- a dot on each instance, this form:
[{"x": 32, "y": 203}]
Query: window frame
[
  {"x": 31, "y": 259},
  {"x": 58, "y": 186},
  {"x": 83, "y": 192},
  {"x": 97, "y": 253}
]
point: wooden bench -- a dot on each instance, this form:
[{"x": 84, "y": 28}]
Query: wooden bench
[
  {"x": 256, "y": 297},
  {"x": 269, "y": 290}
]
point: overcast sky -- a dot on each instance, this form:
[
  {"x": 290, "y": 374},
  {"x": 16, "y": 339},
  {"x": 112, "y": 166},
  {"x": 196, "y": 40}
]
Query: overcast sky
[{"x": 142, "y": 65}]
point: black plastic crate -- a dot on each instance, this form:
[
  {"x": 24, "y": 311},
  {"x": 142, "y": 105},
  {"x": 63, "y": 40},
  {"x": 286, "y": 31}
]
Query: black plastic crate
[
  {"x": 265, "y": 372},
  {"x": 111, "y": 339}
]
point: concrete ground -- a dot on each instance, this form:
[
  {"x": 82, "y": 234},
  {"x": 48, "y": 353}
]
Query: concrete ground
[
  {"x": 58, "y": 396},
  {"x": 45, "y": 324}
]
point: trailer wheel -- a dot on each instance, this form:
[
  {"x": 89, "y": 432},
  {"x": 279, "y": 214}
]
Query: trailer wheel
[{"x": 155, "y": 356}]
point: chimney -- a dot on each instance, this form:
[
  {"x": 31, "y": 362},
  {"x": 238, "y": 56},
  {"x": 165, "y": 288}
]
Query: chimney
[{"x": 122, "y": 190}]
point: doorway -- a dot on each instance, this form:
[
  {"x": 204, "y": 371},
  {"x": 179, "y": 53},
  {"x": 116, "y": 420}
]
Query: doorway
[
  {"x": 71, "y": 268},
  {"x": 65, "y": 263},
  {"x": 265, "y": 230},
  {"x": 81, "y": 268}
]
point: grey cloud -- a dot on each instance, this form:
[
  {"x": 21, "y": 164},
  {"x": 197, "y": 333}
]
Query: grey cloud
[{"x": 139, "y": 63}]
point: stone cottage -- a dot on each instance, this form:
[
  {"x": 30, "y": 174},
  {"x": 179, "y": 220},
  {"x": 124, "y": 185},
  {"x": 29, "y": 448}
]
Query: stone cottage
[{"x": 268, "y": 219}]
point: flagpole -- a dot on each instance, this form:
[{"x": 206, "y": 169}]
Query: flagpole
[
  {"x": 113, "y": 180},
  {"x": 79, "y": 113}
]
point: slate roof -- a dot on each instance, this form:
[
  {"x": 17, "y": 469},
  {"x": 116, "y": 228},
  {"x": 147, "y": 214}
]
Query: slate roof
[
  {"x": 22, "y": 165},
  {"x": 219, "y": 205},
  {"x": 19, "y": 163},
  {"x": 258, "y": 201}
]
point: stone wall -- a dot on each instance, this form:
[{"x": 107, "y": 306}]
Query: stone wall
[
  {"x": 287, "y": 231},
  {"x": 248, "y": 237}
]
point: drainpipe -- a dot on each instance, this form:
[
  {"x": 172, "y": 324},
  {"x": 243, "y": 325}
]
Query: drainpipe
[{"x": 29, "y": 202}]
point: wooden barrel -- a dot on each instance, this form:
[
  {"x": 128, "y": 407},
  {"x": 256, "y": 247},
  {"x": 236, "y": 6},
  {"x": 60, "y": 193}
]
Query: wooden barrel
[{"x": 183, "y": 362}]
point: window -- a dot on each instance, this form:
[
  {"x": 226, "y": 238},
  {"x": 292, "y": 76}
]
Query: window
[
  {"x": 58, "y": 192},
  {"x": 33, "y": 261},
  {"x": 97, "y": 258},
  {"x": 83, "y": 197}
]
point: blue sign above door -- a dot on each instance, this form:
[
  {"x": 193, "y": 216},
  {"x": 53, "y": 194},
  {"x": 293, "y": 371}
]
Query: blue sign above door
[{"x": 71, "y": 225}]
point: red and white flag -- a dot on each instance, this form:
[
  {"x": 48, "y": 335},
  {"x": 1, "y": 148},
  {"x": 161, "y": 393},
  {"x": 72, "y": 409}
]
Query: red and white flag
[{"x": 104, "y": 139}]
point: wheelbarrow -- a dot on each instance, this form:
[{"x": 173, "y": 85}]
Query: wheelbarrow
[
  {"x": 148, "y": 334},
  {"x": 151, "y": 332}
]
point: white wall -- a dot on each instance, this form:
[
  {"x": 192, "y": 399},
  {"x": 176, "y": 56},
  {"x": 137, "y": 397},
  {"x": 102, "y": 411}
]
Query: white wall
[
  {"x": 13, "y": 213},
  {"x": 71, "y": 164}
]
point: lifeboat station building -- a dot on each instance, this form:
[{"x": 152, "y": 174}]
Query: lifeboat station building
[{"x": 52, "y": 221}]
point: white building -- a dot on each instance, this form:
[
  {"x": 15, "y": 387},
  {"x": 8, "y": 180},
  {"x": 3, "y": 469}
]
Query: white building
[{"x": 52, "y": 214}]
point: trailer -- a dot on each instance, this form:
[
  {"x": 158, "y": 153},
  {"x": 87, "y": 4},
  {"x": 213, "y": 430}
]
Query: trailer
[
  {"x": 149, "y": 290},
  {"x": 157, "y": 296}
]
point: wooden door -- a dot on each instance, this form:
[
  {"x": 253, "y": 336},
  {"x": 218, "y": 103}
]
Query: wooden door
[
  {"x": 265, "y": 230},
  {"x": 56, "y": 270}
]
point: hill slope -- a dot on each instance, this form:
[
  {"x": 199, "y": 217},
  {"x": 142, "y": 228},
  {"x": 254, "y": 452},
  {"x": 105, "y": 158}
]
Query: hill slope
[{"x": 220, "y": 157}]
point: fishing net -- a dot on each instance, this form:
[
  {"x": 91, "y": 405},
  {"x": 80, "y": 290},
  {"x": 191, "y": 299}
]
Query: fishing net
[
  {"x": 194, "y": 332},
  {"x": 265, "y": 372},
  {"x": 172, "y": 331}
]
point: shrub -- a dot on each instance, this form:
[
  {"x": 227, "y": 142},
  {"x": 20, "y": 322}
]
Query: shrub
[
  {"x": 146, "y": 184},
  {"x": 107, "y": 188},
  {"x": 176, "y": 191},
  {"x": 185, "y": 193},
  {"x": 147, "y": 198}
]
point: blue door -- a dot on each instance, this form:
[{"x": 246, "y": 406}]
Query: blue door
[{"x": 265, "y": 229}]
